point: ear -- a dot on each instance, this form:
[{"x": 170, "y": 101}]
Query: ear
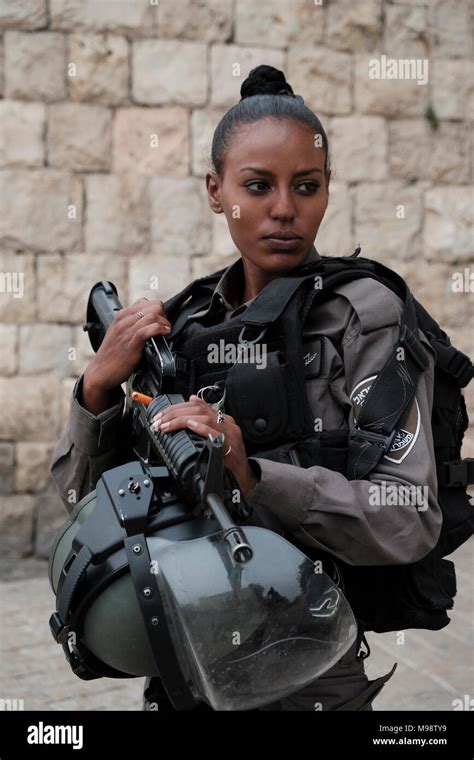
[
  {"x": 213, "y": 186},
  {"x": 328, "y": 177}
]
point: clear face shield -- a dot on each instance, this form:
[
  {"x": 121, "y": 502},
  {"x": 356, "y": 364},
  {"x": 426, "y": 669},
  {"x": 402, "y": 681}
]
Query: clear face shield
[{"x": 250, "y": 633}]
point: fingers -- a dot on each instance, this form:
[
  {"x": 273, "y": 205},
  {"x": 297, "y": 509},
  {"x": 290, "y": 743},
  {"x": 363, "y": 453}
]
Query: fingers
[
  {"x": 146, "y": 306},
  {"x": 141, "y": 334},
  {"x": 138, "y": 329}
]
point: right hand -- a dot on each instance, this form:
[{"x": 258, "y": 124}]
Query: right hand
[{"x": 122, "y": 347}]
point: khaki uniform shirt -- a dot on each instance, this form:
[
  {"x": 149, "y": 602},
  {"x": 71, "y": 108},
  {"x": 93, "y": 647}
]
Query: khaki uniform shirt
[{"x": 392, "y": 517}]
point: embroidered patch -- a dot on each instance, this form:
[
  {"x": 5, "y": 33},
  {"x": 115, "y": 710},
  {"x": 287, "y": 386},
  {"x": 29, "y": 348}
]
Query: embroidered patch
[
  {"x": 405, "y": 437},
  {"x": 313, "y": 358}
]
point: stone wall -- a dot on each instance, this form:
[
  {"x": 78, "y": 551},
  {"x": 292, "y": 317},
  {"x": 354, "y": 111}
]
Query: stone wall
[{"x": 106, "y": 118}]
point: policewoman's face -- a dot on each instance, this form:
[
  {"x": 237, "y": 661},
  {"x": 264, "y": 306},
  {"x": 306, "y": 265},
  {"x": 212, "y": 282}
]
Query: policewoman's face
[{"x": 271, "y": 195}]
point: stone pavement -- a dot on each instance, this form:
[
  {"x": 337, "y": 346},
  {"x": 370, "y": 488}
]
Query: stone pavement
[{"x": 434, "y": 667}]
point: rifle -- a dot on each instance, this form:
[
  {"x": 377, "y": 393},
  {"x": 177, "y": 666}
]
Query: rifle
[{"x": 196, "y": 465}]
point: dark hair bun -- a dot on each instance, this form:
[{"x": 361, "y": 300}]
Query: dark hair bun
[{"x": 265, "y": 80}]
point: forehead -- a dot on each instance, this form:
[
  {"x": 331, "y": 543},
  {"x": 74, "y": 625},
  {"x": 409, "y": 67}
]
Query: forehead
[{"x": 269, "y": 141}]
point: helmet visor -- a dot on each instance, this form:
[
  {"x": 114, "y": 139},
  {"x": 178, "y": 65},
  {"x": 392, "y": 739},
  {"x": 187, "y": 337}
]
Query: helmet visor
[{"x": 251, "y": 632}]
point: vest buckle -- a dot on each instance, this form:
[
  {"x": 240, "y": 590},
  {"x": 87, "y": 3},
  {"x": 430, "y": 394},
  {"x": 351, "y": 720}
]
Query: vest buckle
[{"x": 245, "y": 342}]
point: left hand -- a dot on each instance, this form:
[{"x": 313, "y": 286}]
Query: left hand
[{"x": 198, "y": 416}]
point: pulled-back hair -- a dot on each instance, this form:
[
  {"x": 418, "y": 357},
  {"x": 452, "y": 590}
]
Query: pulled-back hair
[{"x": 264, "y": 94}]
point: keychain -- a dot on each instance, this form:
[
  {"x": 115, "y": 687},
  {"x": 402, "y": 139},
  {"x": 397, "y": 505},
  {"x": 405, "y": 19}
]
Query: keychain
[{"x": 216, "y": 406}]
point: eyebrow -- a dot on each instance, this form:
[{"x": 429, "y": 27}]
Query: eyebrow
[{"x": 301, "y": 173}]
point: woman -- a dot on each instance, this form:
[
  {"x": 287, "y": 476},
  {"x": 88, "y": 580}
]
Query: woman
[{"x": 271, "y": 179}]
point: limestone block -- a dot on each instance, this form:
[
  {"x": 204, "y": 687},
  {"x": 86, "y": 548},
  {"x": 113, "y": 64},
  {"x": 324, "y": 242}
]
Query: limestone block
[
  {"x": 396, "y": 98},
  {"x": 30, "y": 409},
  {"x": 101, "y": 68},
  {"x": 200, "y": 20},
  {"x": 449, "y": 222},
  {"x": 406, "y": 32},
  {"x": 16, "y": 525},
  {"x": 7, "y": 463},
  {"x": 169, "y": 71},
  {"x": 453, "y": 89},
  {"x": 152, "y": 141},
  {"x": 29, "y": 14},
  {"x": 158, "y": 277},
  {"x": 359, "y": 145},
  {"x": 451, "y": 28},
  {"x": 64, "y": 283},
  {"x": 8, "y": 343},
  {"x": 354, "y": 26},
  {"x": 432, "y": 283},
  {"x": 118, "y": 16},
  {"x": 41, "y": 209},
  {"x": 388, "y": 220},
  {"x": 79, "y": 136},
  {"x": 21, "y": 133},
  {"x": 203, "y": 125},
  {"x": 118, "y": 213},
  {"x": 45, "y": 348},
  {"x": 230, "y": 66},
  {"x": 32, "y": 466},
  {"x": 180, "y": 218},
  {"x": 323, "y": 77},
  {"x": 278, "y": 23},
  {"x": 17, "y": 287},
  {"x": 416, "y": 151},
  {"x": 35, "y": 66}
]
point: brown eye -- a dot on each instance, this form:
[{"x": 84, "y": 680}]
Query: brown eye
[
  {"x": 313, "y": 186},
  {"x": 255, "y": 182}
]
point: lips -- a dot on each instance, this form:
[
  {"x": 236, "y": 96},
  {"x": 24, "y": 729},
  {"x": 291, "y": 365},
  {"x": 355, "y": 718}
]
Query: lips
[{"x": 281, "y": 235}]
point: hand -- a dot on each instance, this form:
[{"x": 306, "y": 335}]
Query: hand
[
  {"x": 198, "y": 416},
  {"x": 122, "y": 347}
]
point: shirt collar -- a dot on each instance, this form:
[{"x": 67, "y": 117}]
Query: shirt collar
[{"x": 228, "y": 290}]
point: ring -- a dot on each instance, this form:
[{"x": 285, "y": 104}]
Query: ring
[
  {"x": 140, "y": 314},
  {"x": 220, "y": 416},
  {"x": 228, "y": 451}
]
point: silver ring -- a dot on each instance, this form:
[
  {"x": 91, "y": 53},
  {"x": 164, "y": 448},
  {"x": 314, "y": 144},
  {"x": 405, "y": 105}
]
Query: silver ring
[
  {"x": 220, "y": 417},
  {"x": 228, "y": 451},
  {"x": 140, "y": 314}
]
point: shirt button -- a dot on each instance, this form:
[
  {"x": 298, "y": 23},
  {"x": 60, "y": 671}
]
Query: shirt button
[{"x": 260, "y": 424}]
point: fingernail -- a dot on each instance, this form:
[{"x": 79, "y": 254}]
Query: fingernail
[
  {"x": 157, "y": 417},
  {"x": 192, "y": 423},
  {"x": 163, "y": 424},
  {"x": 167, "y": 329}
]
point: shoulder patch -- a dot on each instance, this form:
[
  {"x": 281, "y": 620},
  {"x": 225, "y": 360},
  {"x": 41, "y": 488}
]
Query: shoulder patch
[
  {"x": 375, "y": 304},
  {"x": 405, "y": 437}
]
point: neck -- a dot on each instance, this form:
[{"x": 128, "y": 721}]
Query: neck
[{"x": 256, "y": 278}]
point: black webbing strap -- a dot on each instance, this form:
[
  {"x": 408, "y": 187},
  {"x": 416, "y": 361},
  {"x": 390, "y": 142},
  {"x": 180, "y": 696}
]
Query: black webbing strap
[
  {"x": 389, "y": 398},
  {"x": 153, "y": 614},
  {"x": 68, "y": 587},
  {"x": 456, "y": 474},
  {"x": 454, "y": 362}
]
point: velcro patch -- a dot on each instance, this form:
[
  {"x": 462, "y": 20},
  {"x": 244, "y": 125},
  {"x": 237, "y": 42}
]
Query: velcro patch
[{"x": 405, "y": 437}]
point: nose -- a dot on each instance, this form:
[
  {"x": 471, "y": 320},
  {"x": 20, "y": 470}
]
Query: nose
[{"x": 283, "y": 207}]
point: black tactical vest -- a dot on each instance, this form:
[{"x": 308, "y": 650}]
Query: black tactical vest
[
  {"x": 269, "y": 402},
  {"x": 271, "y": 407}
]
